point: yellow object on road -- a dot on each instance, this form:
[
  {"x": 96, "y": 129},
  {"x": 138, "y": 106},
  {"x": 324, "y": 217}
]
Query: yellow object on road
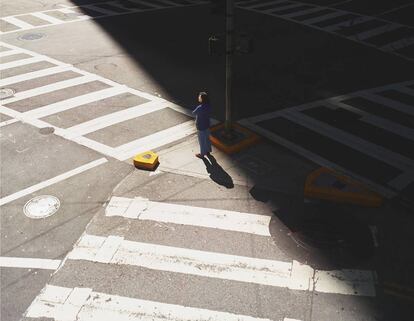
[
  {"x": 326, "y": 184},
  {"x": 147, "y": 160}
]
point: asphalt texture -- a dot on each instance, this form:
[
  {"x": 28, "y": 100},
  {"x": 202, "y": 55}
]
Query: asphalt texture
[{"x": 164, "y": 52}]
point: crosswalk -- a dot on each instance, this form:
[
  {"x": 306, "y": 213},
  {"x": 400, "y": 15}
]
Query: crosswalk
[
  {"x": 85, "y": 108},
  {"x": 372, "y": 31},
  {"x": 86, "y": 300},
  {"x": 68, "y": 14},
  {"x": 367, "y": 134}
]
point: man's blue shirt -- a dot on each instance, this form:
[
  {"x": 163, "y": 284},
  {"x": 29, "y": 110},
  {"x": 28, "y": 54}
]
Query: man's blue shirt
[{"x": 202, "y": 113}]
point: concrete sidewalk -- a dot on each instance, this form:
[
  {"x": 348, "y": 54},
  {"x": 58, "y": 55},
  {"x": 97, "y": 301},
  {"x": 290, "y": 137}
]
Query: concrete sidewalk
[{"x": 263, "y": 166}]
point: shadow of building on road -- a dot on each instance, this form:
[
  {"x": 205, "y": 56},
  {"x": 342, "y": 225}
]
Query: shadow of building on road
[{"x": 290, "y": 66}]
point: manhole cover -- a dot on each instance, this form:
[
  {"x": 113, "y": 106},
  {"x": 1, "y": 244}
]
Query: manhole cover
[
  {"x": 6, "y": 93},
  {"x": 46, "y": 130},
  {"x": 32, "y": 36},
  {"x": 41, "y": 206}
]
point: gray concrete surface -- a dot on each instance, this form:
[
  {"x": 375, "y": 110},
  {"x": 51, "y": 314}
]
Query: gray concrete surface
[{"x": 167, "y": 55}]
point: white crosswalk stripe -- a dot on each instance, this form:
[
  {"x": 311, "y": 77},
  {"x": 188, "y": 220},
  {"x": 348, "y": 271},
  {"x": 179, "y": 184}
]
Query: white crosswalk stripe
[
  {"x": 17, "y": 22},
  {"x": 96, "y": 7},
  {"x": 115, "y": 118},
  {"x": 58, "y": 303},
  {"x": 338, "y": 25},
  {"x": 84, "y": 303},
  {"x": 374, "y": 32},
  {"x": 76, "y": 132},
  {"x": 48, "y": 88},
  {"x": 295, "y": 276},
  {"x": 18, "y": 63},
  {"x": 33, "y": 75},
  {"x": 46, "y": 17},
  {"x": 143, "y": 209},
  {"x": 373, "y": 114}
]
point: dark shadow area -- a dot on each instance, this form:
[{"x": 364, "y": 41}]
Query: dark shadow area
[
  {"x": 291, "y": 65},
  {"x": 326, "y": 235},
  {"x": 217, "y": 173}
]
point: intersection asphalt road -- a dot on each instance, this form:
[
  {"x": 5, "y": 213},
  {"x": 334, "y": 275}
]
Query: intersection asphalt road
[{"x": 95, "y": 84}]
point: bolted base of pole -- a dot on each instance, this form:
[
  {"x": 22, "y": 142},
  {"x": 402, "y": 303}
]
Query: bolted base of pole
[{"x": 232, "y": 139}]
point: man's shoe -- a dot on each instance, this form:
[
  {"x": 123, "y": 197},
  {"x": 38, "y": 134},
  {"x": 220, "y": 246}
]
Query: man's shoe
[{"x": 199, "y": 156}]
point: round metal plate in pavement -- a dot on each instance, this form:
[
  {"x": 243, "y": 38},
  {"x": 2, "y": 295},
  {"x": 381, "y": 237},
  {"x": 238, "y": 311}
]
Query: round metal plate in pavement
[
  {"x": 41, "y": 206},
  {"x": 32, "y": 36},
  {"x": 6, "y": 93}
]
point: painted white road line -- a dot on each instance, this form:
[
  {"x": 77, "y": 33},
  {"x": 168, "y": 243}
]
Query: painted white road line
[
  {"x": 8, "y": 122},
  {"x": 406, "y": 90},
  {"x": 254, "y": 7},
  {"x": 71, "y": 9},
  {"x": 291, "y": 275},
  {"x": 143, "y": 209},
  {"x": 375, "y": 32},
  {"x": 376, "y": 120},
  {"x": 155, "y": 140},
  {"x": 386, "y": 192},
  {"x": 34, "y": 188},
  {"x": 79, "y": 16},
  {"x": 331, "y": 28},
  {"x": 288, "y": 319},
  {"x": 359, "y": 144},
  {"x": 85, "y": 73},
  {"x": 29, "y": 263},
  {"x": 83, "y": 304},
  {"x": 148, "y": 3},
  {"x": 80, "y": 80},
  {"x": 17, "y": 22},
  {"x": 349, "y": 23},
  {"x": 101, "y": 10},
  {"x": 21, "y": 62},
  {"x": 302, "y": 12},
  {"x": 115, "y": 118},
  {"x": 9, "y": 53},
  {"x": 122, "y": 6},
  {"x": 404, "y": 108},
  {"x": 273, "y": 11},
  {"x": 92, "y": 144},
  {"x": 390, "y": 126},
  {"x": 324, "y": 17},
  {"x": 101, "y": 148},
  {"x": 399, "y": 44},
  {"x": 74, "y": 102},
  {"x": 33, "y": 75},
  {"x": 403, "y": 180},
  {"x": 46, "y": 17},
  {"x": 171, "y": 3}
]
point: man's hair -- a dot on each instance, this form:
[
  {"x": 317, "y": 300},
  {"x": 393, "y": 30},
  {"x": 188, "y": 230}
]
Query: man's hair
[{"x": 204, "y": 97}]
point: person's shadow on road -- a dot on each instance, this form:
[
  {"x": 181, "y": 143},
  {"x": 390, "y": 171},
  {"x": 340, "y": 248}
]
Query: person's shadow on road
[{"x": 217, "y": 173}]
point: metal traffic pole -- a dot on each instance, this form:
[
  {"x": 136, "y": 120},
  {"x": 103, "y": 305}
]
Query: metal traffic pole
[{"x": 229, "y": 62}]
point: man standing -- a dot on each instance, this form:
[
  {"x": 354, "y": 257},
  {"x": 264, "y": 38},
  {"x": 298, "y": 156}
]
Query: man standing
[{"x": 202, "y": 113}]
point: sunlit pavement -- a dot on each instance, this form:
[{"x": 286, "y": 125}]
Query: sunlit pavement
[{"x": 223, "y": 238}]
